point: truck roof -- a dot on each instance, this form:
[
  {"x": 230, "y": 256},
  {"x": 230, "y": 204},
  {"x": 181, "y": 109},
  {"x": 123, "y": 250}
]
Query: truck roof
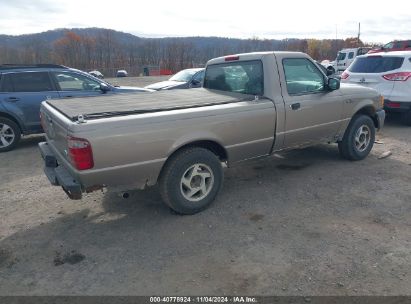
[{"x": 255, "y": 56}]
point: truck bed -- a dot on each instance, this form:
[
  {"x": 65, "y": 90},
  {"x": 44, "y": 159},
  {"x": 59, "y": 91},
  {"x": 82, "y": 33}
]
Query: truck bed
[{"x": 125, "y": 104}]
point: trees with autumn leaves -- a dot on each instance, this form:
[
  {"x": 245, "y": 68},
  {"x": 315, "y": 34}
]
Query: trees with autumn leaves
[{"x": 106, "y": 52}]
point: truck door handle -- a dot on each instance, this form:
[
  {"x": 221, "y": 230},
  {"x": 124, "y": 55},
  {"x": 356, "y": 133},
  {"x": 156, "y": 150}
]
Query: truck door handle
[
  {"x": 295, "y": 106},
  {"x": 12, "y": 99}
]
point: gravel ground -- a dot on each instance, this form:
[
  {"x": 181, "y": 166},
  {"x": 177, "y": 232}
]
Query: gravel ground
[{"x": 301, "y": 223}]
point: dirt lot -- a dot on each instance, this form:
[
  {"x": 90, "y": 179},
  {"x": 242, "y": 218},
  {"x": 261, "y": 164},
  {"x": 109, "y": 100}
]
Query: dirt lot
[{"x": 301, "y": 223}]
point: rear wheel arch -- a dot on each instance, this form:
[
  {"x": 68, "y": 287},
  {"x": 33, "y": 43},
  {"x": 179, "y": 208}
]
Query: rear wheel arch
[
  {"x": 211, "y": 145},
  {"x": 13, "y": 119}
]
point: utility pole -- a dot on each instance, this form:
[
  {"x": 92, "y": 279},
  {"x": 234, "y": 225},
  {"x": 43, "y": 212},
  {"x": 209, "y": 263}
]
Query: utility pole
[{"x": 359, "y": 33}]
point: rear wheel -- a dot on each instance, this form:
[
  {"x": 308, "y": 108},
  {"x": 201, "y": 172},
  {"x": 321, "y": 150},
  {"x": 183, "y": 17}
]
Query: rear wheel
[
  {"x": 191, "y": 180},
  {"x": 9, "y": 134},
  {"x": 358, "y": 139}
]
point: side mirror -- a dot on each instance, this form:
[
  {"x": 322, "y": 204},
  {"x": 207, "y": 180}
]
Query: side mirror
[
  {"x": 333, "y": 84},
  {"x": 104, "y": 88}
]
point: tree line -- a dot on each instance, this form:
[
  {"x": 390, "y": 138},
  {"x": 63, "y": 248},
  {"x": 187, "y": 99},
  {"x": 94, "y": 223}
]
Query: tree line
[{"x": 107, "y": 53}]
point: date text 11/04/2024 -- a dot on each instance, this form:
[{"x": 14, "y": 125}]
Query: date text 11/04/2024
[{"x": 203, "y": 299}]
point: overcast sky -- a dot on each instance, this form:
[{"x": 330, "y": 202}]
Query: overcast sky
[{"x": 381, "y": 21}]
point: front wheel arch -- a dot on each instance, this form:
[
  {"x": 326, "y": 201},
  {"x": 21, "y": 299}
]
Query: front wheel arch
[{"x": 370, "y": 111}]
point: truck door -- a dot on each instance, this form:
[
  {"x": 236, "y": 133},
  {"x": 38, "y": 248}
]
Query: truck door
[
  {"x": 313, "y": 113},
  {"x": 22, "y": 94},
  {"x": 341, "y": 61}
]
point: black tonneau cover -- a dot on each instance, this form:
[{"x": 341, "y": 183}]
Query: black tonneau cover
[{"x": 138, "y": 103}]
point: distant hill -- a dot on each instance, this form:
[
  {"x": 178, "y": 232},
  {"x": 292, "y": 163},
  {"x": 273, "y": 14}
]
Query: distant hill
[
  {"x": 51, "y": 36},
  {"x": 108, "y": 50}
]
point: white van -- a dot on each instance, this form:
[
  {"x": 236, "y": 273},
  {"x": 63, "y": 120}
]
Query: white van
[{"x": 346, "y": 56}]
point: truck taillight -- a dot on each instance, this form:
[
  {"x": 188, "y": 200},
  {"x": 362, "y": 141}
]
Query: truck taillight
[
  {"x": 80, "y": 152},
  {"x": 400, "y": 76},
  {"x": 345, "y": 75}
]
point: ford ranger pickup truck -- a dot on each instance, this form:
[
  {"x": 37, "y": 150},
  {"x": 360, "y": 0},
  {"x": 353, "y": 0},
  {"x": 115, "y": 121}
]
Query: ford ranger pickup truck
[{"x": 251, "y": 105}]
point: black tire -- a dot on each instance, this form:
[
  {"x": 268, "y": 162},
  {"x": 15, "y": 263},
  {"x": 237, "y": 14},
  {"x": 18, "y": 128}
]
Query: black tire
[
  {"x": 352, "y": 149},
  {"x": 406, "y": 118},
  {"x": 10, "y": 134},
  {"x": 173, "y": 189}
]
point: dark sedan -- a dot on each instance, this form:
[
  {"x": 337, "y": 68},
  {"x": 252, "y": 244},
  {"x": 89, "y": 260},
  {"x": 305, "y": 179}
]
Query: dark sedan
[{"x": 185, "y": 79}]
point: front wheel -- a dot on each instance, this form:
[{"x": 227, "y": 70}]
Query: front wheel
[
  {"x": 9, "y": 134},
  {"x": 358, "y": 139},
  {"x": 191, "y": 180}
]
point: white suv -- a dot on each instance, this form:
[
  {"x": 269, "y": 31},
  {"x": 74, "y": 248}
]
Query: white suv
[{"x": 389, "y": 74}]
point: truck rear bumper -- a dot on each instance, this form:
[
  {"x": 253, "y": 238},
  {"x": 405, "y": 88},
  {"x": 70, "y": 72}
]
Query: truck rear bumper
[{"x": 58, "y": 175}]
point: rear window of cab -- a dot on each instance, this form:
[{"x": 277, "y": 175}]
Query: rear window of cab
[
  {"x": 244, "y": 77},
  {"x": 376, "y": 64}
]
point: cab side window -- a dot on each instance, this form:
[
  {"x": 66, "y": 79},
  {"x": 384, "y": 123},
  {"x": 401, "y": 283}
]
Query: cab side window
[
  {"x": 27, "y": 82},
  {"x": 350, "y": 55},
  {"x": 341, "y": 56},
  {"x": 302, "y": 76},
  {"x": 75, "y": 82}
]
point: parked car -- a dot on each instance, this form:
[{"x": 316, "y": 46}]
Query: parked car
[
  {"x": 326, "y": 71},
  {"x": 24, "y": 87},
  {"x": 185, "y": 79},
  {"x": 121, "y": 73},
  {"x": 344, "y": 58},
  {"x": 397, "y": 45},
  {"x": 96, "y": 74},
  {"x": 389, "y": 74},
  {"x": 251, "y": 105}
]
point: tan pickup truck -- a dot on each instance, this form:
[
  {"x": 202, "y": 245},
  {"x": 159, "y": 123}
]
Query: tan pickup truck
[{"x": 250, "y": 106}]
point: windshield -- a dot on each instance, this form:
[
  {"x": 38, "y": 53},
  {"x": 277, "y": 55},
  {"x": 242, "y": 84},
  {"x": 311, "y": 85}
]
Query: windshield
[
  {"x": 376, "y": 64},
  {"x": 183, "y": 76}
]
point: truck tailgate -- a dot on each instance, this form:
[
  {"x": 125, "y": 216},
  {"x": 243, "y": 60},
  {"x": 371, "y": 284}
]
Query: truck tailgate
[
  {"x": 109, "y": 105},
  {"x": 56, "y": 127}
]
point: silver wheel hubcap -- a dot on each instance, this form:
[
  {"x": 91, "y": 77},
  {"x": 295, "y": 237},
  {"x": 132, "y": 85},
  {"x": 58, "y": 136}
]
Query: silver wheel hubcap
[
  {"x": 197, "y": 182},
  {"x": 6, "y": 135},
  {"x": 362, "y": 138}
]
